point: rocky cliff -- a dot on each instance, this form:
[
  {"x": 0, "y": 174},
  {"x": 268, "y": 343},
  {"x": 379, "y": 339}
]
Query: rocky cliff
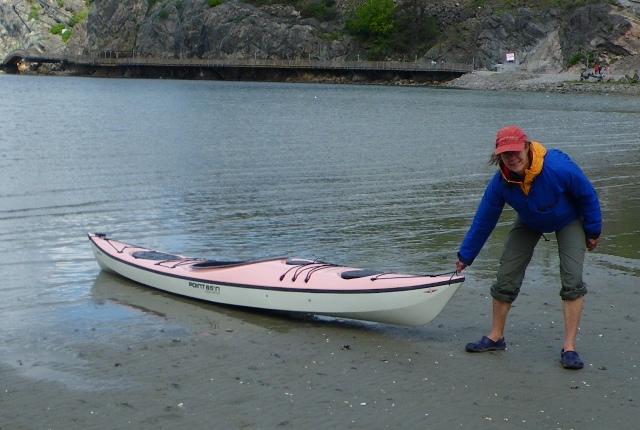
[{"x": 543, "y": 35}]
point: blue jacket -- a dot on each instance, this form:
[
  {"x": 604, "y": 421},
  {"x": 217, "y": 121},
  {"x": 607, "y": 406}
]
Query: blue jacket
[{"x": 559, "y": 193}]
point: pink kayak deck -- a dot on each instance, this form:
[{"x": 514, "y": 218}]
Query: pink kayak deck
[{"x": 274, "y": 274}]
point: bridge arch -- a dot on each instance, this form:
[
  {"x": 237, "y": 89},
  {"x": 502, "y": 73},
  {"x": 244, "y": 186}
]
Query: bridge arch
[{"x": 13, "y": 58}]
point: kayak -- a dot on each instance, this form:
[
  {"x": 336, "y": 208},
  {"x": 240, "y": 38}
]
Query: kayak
[{"x": 284, "y": 284}]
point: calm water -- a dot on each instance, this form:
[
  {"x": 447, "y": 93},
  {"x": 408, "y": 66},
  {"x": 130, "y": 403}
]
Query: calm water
[{"x": 378, "y": 177}]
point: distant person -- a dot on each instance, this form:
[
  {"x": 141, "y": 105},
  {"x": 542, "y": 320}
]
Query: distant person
[{"x": 549, "y": 193}]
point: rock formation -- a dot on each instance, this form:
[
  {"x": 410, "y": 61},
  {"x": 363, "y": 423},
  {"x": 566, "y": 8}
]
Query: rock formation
[{"x": 541, "y": 39}]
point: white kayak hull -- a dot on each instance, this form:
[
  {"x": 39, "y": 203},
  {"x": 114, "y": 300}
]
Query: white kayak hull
[{"x": 284, "y": 284}]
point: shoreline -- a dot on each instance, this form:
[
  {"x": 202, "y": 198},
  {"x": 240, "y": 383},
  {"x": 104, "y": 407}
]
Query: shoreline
[{"x": 564, "y": 83}]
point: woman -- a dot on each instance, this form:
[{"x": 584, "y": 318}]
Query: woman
[{"x": 549, "y": 193}]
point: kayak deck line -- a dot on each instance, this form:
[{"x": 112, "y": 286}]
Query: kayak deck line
[{"x": 299, "y": 265}]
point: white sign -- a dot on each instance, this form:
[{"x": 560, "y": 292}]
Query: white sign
[{"x": 511, "y": 56}]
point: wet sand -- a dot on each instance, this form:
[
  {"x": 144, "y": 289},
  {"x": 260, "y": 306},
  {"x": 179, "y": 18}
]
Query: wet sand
[{"x": 198, "y": 366}]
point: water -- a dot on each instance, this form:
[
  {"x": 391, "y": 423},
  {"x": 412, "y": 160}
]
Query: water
[{"x": 370, "y": 176}]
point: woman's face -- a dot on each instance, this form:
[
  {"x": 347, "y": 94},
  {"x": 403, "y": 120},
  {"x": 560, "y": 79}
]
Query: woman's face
[{"x": 516, "y": 161}]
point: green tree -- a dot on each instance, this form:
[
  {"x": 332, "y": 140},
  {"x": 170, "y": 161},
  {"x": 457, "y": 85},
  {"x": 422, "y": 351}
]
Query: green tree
[
  {"x": 374, "y": 19},
  {"x": 416, "y": 30},
  {"x": 375, "y": 23}
]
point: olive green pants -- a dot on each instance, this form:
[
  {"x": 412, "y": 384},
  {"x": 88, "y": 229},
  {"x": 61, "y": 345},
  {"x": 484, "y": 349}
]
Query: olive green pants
[{"x": 517, "y": 254}]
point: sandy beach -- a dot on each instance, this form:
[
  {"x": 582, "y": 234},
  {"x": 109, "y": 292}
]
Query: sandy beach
[{"x": 200, "y": 366}]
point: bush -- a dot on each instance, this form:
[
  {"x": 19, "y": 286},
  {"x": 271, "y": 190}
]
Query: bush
[
  {"x": 57, "y": 29},
  {"x": 378, "y": 51},
  {"x": 323, "y": 11},
  {"x": 77, "y": 17},
  {"x": 66, "y": 35},
  {"x": 62, "y": 30},
  {"x": 375, "y": 23},
  {"x": 415, "y": 33},
  {"x": 575, "y": 59},
  {"x": 214, "y": 3},
  {"x": 374, "y": 19}
]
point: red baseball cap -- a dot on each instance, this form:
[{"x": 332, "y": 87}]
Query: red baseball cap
[{"x": 510, "y": 138}]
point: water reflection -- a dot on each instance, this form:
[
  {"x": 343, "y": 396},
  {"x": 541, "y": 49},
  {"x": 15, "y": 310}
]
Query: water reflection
[
  {"x": 124, "y": 296},
  {"x": 126, "y": 305}
]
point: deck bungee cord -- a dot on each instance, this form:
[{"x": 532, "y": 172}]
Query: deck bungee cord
[{"x": 304, "y": 266}]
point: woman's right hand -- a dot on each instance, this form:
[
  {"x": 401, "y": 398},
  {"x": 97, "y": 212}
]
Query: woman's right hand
[{"x": 460, "y": 266}]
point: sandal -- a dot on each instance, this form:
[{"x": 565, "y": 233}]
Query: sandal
[
  {"x": 571, "y": 360},
  {"x": 485, "y": 344}
]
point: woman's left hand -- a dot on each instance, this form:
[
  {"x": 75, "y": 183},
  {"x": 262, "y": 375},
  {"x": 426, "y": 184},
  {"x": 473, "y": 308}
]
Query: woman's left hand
[{"x": 592, "y": 243}]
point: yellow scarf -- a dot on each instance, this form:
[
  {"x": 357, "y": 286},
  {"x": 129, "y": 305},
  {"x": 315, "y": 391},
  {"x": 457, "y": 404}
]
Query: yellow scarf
[{"x": 536, "y": 156}]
